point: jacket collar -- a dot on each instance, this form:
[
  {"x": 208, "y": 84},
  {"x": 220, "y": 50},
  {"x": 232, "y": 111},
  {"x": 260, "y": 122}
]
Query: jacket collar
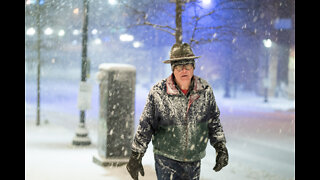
[{"x": 173, "y": 90}]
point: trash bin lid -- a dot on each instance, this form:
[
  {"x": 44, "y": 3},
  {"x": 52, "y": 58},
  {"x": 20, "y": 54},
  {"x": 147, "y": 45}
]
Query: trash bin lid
[{"x": 116, "y": 67}]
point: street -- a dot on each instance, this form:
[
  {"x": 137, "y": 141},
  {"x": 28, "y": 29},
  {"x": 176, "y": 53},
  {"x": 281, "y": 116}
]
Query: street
[
  {"x": 263, "y": 141},
  {"x": 260, "y": 144},
  {"x": 260, "y": 136}
]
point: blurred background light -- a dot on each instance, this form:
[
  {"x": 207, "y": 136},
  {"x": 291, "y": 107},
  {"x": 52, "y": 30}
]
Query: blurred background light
[
  {"x": 137, "y": 44},
  {"x": 28, "y": 2},
  {"x": 206, "y": 3},
  {"x": 112, "y": 2},
  {"x": 94, "y": 31},
  {"x": 31, "y": 31},
  {"x": 267, "y": 43},
  {"x": 48, "y": 31},
  {"x": 76, "y": 11},
  {"x": 126, "y": 37},
  {"x": 76, "y": 32},
  {"x": 97, "y": 41},
  {"x": 61, "y": 32}
]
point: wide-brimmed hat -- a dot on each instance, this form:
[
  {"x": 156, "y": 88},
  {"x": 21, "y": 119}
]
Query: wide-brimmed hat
[{"x": 180, "y": 52}]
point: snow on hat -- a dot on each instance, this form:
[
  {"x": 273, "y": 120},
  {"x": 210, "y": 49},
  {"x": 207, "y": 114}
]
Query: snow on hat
[{"x": 180, "y": 52}]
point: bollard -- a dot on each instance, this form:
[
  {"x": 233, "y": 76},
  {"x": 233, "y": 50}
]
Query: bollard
[{"x": 116, "y": 114}]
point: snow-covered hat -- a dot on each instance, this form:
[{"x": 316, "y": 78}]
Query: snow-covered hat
[{"x": 180, "y": 52}]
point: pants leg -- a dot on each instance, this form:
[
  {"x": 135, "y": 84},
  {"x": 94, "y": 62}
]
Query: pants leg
[{"x": 168, "y": 169}]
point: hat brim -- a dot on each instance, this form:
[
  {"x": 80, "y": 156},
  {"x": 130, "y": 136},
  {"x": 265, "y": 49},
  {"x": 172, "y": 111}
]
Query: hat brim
[{"x": 178, "y": 59}]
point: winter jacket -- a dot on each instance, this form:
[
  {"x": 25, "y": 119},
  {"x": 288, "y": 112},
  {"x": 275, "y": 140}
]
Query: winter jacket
[{"x": 179, "y": 125}]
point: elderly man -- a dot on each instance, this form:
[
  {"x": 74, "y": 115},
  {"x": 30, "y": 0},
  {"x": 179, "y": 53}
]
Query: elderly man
[{"x": 180, "y": 116}]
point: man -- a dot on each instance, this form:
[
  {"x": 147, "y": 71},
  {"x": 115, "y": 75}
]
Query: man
[{"x": 180, "y": 116}]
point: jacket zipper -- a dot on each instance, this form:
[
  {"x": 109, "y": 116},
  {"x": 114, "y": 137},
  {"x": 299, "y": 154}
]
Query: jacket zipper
[
  {"x": 186, "y": 119},
  {"x": 187, "y": 130}
]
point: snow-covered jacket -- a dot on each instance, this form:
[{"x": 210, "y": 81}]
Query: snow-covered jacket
[{"x": 179, "y": 125}]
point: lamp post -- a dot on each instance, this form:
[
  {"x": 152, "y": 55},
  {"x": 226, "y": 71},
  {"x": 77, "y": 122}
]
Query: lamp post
[
  {"x": 267, "y": 43},
  {"x": 39, "y": 62},
  {"x": 81, "y": 138}
]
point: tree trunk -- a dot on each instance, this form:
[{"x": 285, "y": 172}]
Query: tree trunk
[{"x": 178, "y": 34}]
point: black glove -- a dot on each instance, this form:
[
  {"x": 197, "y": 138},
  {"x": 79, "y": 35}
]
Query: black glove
[
  {"x": 134, "y": 165},
  {"x": 222, "y": 156}
]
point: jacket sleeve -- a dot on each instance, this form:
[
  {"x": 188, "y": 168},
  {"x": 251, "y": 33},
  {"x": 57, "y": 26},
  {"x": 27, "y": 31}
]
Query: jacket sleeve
[
  {"x": 145, "y": 128},
  {"x": 216, "y": 133}
]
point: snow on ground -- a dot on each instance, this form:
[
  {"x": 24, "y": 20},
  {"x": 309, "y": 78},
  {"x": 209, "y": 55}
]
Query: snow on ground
[
  {"x": 260, "y": 137},
  {"x": 50, "y": 155}
]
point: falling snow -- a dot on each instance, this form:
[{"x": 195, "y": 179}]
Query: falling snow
[{"x": 253, "y": 82}]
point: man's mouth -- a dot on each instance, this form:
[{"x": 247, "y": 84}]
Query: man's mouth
[{"x": 184, "y": 76}]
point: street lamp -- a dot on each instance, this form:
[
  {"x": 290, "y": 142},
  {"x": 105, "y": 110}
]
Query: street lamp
[
  {"x": 48, "y": 31},
  {"x": 31, "y": 31},
  {"x": 76, "y": 32},
  {"x": 113, "y": 2},
  {"x": 137, "y": 44},
  {"x": 61, "y": 32},
  {"x": 206, "y": 2},
  {"x": 81, "y": 138},
  {"x": 267, "y": 43},
  {"x": 126, "y": 37}
]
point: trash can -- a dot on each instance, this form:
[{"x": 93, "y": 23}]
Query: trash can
[{"x": 116, "y": 114}]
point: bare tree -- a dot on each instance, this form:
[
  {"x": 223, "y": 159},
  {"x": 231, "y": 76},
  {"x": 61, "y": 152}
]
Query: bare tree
[
  {"x": 221, "y": 22},
  {"x": 196, "y": 23}
]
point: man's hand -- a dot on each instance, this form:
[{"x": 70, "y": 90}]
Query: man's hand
[
  {"x": 134, "y": 165},
  {"x": 222, "y": 156}
]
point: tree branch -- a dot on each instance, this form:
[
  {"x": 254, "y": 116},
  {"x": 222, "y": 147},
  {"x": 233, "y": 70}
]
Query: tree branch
[
  {"x": 142, "y": 20},
  {"x": 157, "y": 26}
]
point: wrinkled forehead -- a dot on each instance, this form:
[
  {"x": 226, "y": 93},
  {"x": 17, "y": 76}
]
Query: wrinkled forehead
[{"x": 182, "y": 62}]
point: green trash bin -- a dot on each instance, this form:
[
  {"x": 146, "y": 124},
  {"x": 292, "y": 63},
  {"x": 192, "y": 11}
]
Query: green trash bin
[{"x": 116, "y": 115}]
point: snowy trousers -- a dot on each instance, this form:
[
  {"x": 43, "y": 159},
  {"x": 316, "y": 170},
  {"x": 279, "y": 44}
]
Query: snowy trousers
[{"x": 168, "y": 169}]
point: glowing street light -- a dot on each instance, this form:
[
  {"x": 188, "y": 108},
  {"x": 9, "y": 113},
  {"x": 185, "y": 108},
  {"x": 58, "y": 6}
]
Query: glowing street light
[
  {"x": 267, "y": 43},
  {"x": 30, "y": 2},
  {"x": 113, "y": 2},
  {"x": 206, "y": 2},
  {"x": 31, "y": 31},
  {"x": 94, "y": 31},
  {"x": 137, "y": 44},
  {"x": 126, "y": 37},
  {"x": 97, "y": 41},
  {"x": 76, "y": 32},
  {"x": 76, "y": 11},
  {"x": 61, "y": 32},
  {"x": 48, "y": 31}
]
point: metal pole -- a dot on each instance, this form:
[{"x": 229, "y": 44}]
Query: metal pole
[
  {"x": 267, "y": 78},
  {"x": 81, "y": 138},
  {"x": 38, "y": 68},
  {"x": 84, "y": 50},
  {"x": 84, "y": 40}
]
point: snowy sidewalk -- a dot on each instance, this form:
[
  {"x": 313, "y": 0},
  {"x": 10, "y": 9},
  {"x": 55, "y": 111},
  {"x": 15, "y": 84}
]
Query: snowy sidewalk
[
  {"x": 260, "y": 140},
  {"x": 50, "y": 155}
]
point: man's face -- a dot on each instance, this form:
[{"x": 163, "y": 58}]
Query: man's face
[{"x": 183, "y": 73}]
